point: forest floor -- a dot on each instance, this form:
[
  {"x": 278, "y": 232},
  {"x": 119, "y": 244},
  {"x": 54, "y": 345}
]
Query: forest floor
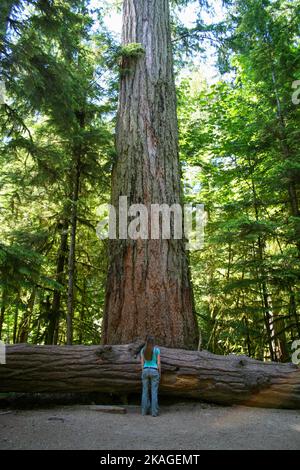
[{"x": 179, "y": 427}]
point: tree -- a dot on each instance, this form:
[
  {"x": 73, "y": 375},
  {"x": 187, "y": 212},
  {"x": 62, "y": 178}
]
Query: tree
[
  {"x": 116, "y": 370},
  {"x": 55, "y": 150},
  {"x": 148, "y": 286},
  {"x": 237, "y": 131}
]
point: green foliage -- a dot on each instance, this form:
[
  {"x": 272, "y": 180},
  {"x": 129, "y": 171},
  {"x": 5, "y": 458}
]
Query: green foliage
[
  {"x": 56, "y": 108},
  {"x": 127, "y": 56},
  {"x": 132, "y": 50},
  {"x": 243, "y": 135}
]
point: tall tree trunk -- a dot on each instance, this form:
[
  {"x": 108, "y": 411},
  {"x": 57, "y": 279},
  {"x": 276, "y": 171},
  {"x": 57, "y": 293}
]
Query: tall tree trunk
[
  {"x": 78, "y": 152},
  {"x": 259, "y": 252},
  {"x": 82, "y": 311},
  {"x": 248, "y": 340},
  {"x": 268, "y": 317},
  {"x": 60, "y": 264},
  {"x": 25, "y": 326},
  {"x": 293, "y": 308},
  {"x": 16, "y": 318},
  {"x": 2, "y": 310},
  {"x": 282, "y": 352},
  {"x": 72, "y": 249},
  {"x": 148, "y": 285}
]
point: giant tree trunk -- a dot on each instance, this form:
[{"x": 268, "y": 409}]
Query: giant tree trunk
[
  {"x": 148, "y": 286},
  {"x": 116, "y": 369}
]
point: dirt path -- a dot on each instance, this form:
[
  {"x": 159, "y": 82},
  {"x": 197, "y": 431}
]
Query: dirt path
[{"x": 180, "y": 427}]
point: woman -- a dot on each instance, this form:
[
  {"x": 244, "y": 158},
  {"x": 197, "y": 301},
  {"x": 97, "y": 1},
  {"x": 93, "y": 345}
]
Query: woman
[{"x": 151, "y": 372}]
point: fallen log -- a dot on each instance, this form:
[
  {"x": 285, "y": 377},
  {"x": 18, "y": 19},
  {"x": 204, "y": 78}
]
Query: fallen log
[{"x": 116, "y": 369}]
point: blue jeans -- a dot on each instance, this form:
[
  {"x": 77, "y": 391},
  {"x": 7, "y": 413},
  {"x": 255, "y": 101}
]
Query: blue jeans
[{"x": 152, "y": 376}]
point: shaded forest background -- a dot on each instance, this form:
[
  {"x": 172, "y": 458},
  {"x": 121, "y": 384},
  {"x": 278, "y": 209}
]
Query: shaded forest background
[{"x": 239, "y": 150}]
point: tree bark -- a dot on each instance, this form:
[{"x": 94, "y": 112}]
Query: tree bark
[
  {"x": 2, "y": 309},
  {"x": 148, "y": 285},
  {"x": 24, "y": 328},
  {"x": 52, "y": 331},
  {"x": 72, "y": 253},
  {"x": 116, "y": 369},
  {"x": 75, "y": 183},
  {"x": 16, "y": 318}
]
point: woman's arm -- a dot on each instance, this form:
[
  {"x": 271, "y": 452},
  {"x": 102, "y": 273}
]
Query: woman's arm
[
  {"x": 158, "y": 364},
  {"x": 142, "y": 361}
]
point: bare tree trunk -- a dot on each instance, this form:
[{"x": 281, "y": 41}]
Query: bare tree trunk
[
  {"x": 60, "y": 264},
  {"x": 293, "y": 308},
  {"x": 148, "y": 285},
  {"x": 248, "y": 341},
  {"x": 2, "y": 310},
  {"x": 78, "y": 152},
  {"x": 72, "y": 247},
  {"x": 24, "y": 328},
  {"x": 16, "y": 318},
  {"x": 116, "y": 369},
  {"x": 282, "y": 352},
  {"x": 82, "y": 311},
  {"x": 268, "y": 316}
]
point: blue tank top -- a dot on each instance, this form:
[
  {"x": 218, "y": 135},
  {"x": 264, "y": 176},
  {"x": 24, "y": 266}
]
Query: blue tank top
[{"x": 153, "y": 362}]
